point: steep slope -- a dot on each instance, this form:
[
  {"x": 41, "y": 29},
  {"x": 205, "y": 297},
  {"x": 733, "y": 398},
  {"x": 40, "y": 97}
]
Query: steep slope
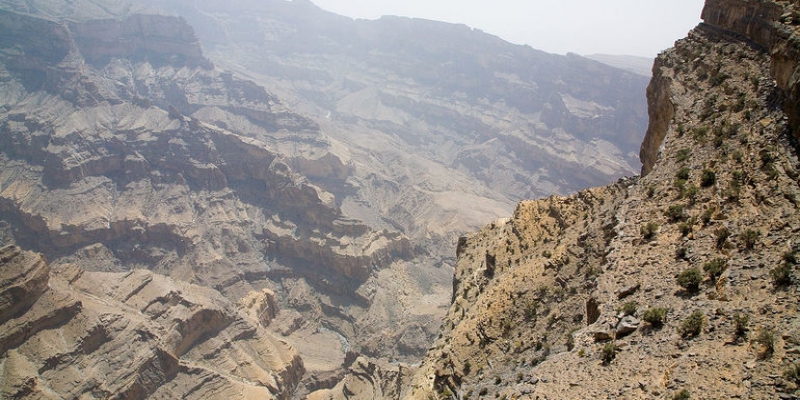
[
  {"x": 122, "y": 147},
  {"x": 681, "y": 282},
  {"x": 67, "y": 332}
]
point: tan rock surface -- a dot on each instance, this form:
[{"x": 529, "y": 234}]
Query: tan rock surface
[
  {"x": 135, "y": 335},
  {"x": 541, "y": 299}
]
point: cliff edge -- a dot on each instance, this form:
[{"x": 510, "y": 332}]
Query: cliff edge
[{"x": 682, "y": 282}]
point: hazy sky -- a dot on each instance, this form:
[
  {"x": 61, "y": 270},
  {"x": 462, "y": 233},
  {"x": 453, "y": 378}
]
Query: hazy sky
[{"x": 630, "y": 27}]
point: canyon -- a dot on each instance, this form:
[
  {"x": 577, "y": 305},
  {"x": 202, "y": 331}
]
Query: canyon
[{"x": 272, "y": 201}]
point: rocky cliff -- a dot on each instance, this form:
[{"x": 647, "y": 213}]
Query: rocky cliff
[
  {"x": 74, "y": 333},
  {"x": 137, "y": 152},
  {"x": 681, "y": 283},
  {"x": 446, "y": 134}
]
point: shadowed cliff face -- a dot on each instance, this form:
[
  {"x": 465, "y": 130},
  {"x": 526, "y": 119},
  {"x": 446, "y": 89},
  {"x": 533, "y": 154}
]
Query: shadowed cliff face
[{"x": 683, "y": 281}]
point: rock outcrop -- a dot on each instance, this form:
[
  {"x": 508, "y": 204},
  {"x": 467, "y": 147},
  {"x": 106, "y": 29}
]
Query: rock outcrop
[
  {"x": 681, "y": 282},
  {"x": 131, "y": 335},
  {"x": 127, "y": 158}
]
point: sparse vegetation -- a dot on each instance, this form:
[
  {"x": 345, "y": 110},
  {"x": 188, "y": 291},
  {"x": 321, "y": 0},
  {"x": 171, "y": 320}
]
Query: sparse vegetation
[
  {"x": 683, "y": 155},
  {"x": 722, "y": 234},
  {"x": 690, "y": 279},
  {"x": 793, "y": 374},
  {"x": 708, "y": 178},
  {"x": 740, "y": 322},
  {"x": 766, "y": 338},
  {"x": 781, "y": 275},
  {"x": 629, "y": 308},
  {"x": 715, "y": 268},
  {"x": 675, "y": 213},
  {"x": 685, "y": 228},
  {"x": 749, "y": 238},
  {"x": 683, "y": 174},
  {"x": 707, "y": 215},
  {"x": 682, "y": 395},
  {"x": 655, "y": 316},
  {"x": 649, "y": 230},
  {"x": 690, "y": 192},
  {"x": 693, "y": 325},
  {"x": 608, "y": 353},
  {"x": 699, "y": 134}
]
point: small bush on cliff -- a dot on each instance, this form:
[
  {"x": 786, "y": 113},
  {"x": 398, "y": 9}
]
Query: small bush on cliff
[
  {"x": 793, "y": 374},
  {"x": 690, "y": 279},
  {"x": 749, "y": 238},
  {"x": 715, "y": 268},
  {"x": 693, "y": 325},
  {"x": 675, "y": 213},
  {"x": 722, "y": 234},
  {"x": 629, "y": 308},
  {"x": 766, "y": 338},
  {"x": 682, "y": 395},
  {"x": 781, "y": 275},
  {"x": 655, "y": 316},
  {"x": 683, "y": 174},
  {"x": 740, "y": 322},
  {"x": 608, "y": 353},
  {"x": 683, "y": 155},
  {"x": 649, "y": 230},
  {"x": 708, "y": 178}
]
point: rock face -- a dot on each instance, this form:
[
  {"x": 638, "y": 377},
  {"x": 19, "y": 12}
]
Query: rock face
[
  {"x": 137, "y": 155},
  {"x": 598, "y": 283},
  {"x": 447, "y": 134},
  {"x": 131, "y": 335}
]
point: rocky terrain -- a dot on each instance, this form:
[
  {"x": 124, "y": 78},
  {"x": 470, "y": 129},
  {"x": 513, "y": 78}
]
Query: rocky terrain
[
  {"x": 123, "y": 148},
  {"x": 71, "y": 333},
  {"x": 681, "y": 283},
  {"x": 316, "y": 191},
  {"x": 446, "y": 134}
]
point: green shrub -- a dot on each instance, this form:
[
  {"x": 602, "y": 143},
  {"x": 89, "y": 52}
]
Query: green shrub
[
  {"x": 766, "y": 338},
  {"x": 649, "y": 230},
  {"x": 715, "y": 267},
  {"x": 781, "y": 275},
  {"x": 693, "y": 325},
  {"x": 749, "y": 238},
  {"x": 629, "y": 308},
  {"x": 734, "y": 191},
  {"x": 655, "y": 316},
  {"x": 722, "y": 234},
  {"x": 790, "y": 257},
  {"x": 467, "y": 367},
  {"x": 682, "y": 395},
  {"x": 708, "y": 178},
  {"x": 675, "y": 213},
  {"x": 608, "y": 353},
  {"x": 740, "y": 322},
  {"x": 683, "y": 174},
  {"x": 707, "y": 215},
  {"x": 690, "y": 279},
  {"x": 680, "y": 253},
  {"x": 690, "y": 192},
  {"x": 683, "y": 155},
  {"x": 685, "y": 228},
  {"x": 793, "y": 373},
  {"x": 699, "y": 133}
]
